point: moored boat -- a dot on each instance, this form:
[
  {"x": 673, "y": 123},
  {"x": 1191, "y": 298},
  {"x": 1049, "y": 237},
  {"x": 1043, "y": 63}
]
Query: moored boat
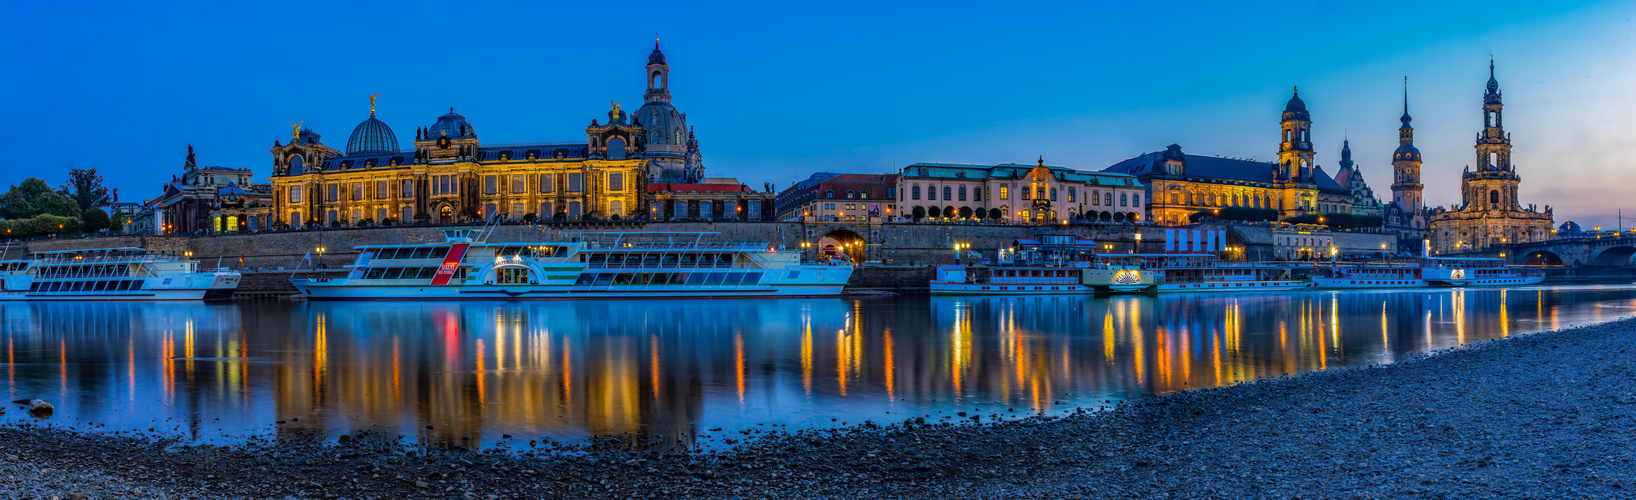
[
  {"x": 589, "y": 265},
  {"x": 123, "y": 273},
  {"x": 1429, "y": 272},
  {"x": 1051, "y": 264},
  {"x": 1204, "y": 272}
]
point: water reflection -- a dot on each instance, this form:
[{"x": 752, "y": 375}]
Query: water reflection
[{"x": 667, "y": 372}]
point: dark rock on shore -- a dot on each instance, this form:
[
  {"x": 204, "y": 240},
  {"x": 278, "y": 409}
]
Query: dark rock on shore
[{"x": 1544, "y": 415}]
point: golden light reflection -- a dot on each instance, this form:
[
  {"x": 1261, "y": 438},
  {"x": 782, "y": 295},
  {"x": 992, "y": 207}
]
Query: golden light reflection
[
  {"x": 1505, "y": 318},
  {"x": 738, "y": 366},
  {"x": 1139, "y": 356},
  {"x": 806, "y": 354},
  {"x": 653, "y": 364},
  {"x": 320, "y": 351},
  {"x": 397, "y": 370},
  {"x": 889, "y": 363},
  {"x": 480, "y": 374},
  {"x": 1107, "y": 337},
  {"x": 1459, "y": 307}
]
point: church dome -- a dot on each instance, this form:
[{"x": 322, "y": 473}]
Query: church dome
[
  {"x": 1296, "y": 108},
  {"x": 453, "y": 125},
  {"x": 656, "y": 57},
  {"x": 372, "y": 136},
  {"x": 1569, "y": 227}
]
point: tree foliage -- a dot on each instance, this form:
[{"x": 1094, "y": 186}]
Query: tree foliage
[
  {"x": 85, "y": 187},
  {"x": 96, "y": 220},
  {"x": 33, "y": 197},
  {"x": 39, "y": 226}
]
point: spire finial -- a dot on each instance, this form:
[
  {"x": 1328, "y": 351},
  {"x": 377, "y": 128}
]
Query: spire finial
[
  {"x": 1297, "y": 90},
  {"x": 655, "y": 40},
  {"x": 1042, "y": 160},
  {"x": 372, "y": 103}
]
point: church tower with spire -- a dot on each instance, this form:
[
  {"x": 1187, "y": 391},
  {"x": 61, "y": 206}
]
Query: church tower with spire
[
  {"x": 1490, "y": 215},
  {"x": 1295, "y": 152},
  {"x": 1406, "y": 161}
]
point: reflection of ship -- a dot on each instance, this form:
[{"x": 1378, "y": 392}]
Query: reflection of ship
[
  {"x": 596, "y": 265},
  {"x": 112, "y": 274},
  {"x": 1429, "y": 271},
  {"x": 1048, "y": 264},
  {"x": 1203, "y": 272}
]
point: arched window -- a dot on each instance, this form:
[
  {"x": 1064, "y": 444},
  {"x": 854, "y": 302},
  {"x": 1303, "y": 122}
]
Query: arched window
[
  {"x": 1039, "y": 193},
  {"x": 616, "y": 149},
  {"x": 962, "y": 193},
  {"x": 1005, "y": 191},
  {"x": 946, "y": 191},
  {"x": 1071, "y": 194},
  {"x": 1122, "y": 199},
  {"x": 1053, "y": 194},
  {"x": 914, "y": 192},
  {"x": 851, "y": 194},
  {"x": 829, "y": 193},
  {"x": 1096, "y": 197},
  {"x": 1494, "y": 197},
  {"x": 864, "y": 193}
]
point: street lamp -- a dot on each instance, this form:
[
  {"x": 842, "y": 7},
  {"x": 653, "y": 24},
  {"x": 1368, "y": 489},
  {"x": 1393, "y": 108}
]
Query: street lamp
[{"x": 320, "y": 250}]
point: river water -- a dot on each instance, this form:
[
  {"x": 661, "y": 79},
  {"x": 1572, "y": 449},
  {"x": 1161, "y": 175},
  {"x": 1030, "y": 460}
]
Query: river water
[{"x": 702, "y": 373}]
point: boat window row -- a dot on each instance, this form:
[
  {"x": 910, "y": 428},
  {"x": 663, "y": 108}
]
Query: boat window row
[
  {"x": 98, "y": 271},
  {"x": 530, "y": 251},
  {"x": 597, "y": 260},
  {"x": 86, "y": 286},
  {"x": 13, "y": 266},
  {"x": 651, "y": 279},
  {"x": 410, "y": 253},
  {"x": 1036, "y": 273},
  {"x": 409, "y": 273}
]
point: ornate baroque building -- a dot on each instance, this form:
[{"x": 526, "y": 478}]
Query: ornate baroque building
[
  {"x": 190, "y": 202},
  {"x": 1364, "y": 201},
  {"x": 450, "y": 175},
  {"x": 1181, "y": 185},
  {"x": 1490, "y": 214}
]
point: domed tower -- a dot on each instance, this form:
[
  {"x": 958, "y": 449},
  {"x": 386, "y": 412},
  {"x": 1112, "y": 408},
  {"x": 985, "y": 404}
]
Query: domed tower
[
  {"x": 667, "y": 133},
  {"x": 372, "y": 136},
  {"x": 1295, "y": 152},
  {"x": 451, "y": 138},
  {"x": 1406, "y": 185},
  {"x": 1492, "y": 185}
]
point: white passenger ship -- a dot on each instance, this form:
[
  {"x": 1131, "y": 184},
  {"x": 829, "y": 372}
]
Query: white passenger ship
[
  {"x": 1051, "y": 264},
  {"x": 591, "y": 265},
  {"x": 1204, "y": 272},
  {"x": 112, "y": 274},
  {"x": 1429, "y": 272}
]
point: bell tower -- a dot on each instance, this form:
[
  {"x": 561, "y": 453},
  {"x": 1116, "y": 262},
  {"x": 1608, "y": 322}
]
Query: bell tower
[
  {"x": 1406, "y": 185},
  {"x": 658, "y": 76},
  {"x": 1295, "y": 151}
]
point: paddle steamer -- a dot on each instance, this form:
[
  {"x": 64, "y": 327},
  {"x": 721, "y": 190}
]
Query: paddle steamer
[{"x": 123, "y": 273}]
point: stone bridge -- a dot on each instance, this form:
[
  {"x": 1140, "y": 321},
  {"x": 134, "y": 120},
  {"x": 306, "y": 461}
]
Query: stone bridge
[{"x": 1604, "y": 251}]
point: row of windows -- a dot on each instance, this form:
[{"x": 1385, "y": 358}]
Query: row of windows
[
  {"x": 679, "y": 209},
  {"x": 640, "y": 259},
  {"x": 547, "y": 183},
  {"x": 1302, "y": 241},
  {"x": 951, "y": 193},
  {"x": 85, "y": 286},
  {"x": 850, "y": 194},
  {"x": 651, "y": 279},
  {"x": 112, "y": 270}
]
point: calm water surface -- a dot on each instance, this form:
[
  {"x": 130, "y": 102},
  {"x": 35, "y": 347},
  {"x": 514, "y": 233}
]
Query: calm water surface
[{"x": 672, "y": 371}]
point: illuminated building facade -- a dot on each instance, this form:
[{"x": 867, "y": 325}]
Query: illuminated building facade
[
  {"x": 832, "y": 197},
  {"x": 451, "y": 176},
  {"x": 1015, "y": 193}
]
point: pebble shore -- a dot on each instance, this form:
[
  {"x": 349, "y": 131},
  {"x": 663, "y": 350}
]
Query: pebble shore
[{"x": 1546, "y": 415}]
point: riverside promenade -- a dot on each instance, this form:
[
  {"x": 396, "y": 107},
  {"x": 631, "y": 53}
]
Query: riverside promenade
[{"x": 1546, "y": 415}]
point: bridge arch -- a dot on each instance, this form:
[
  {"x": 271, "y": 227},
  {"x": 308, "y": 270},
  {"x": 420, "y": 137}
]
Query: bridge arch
[
  {"x": 847, "y": 241},
  {"x": 1618, "y": 256},
  {"x": 1542, "y": 258}
]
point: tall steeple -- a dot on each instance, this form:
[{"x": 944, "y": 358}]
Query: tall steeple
[
  {"x": 1406, "y": 163},
  {"x": 1295, "y": 151},
  {"x": 1346, "y": 155},
  {"x": 1493, "y": 145},
  {"x": 658, "y": 75}
]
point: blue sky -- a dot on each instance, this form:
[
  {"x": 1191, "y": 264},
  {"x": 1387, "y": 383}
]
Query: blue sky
[{"x": 777, "y": 90}]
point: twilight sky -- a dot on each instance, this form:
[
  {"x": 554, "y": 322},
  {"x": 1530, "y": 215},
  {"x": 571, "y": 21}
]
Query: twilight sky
[{"x": 777, "y": 90}]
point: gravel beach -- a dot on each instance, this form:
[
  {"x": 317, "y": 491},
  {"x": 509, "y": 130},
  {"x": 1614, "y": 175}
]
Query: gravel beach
[{"x": 1546, "y": 415}]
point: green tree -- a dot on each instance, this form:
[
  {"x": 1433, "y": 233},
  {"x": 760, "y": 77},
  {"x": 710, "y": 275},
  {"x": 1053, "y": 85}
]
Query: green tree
[
  {"x": 85, "y": 187},
  {"x": 117, "y": 224},
  {"x": 96, "y": 220},
  {"x": 33, "y": 197},
  {"x": 919, "y": 212}
]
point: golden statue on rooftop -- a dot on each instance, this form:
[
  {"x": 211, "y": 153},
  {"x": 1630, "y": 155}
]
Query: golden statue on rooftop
[
  {"x": 297, "y": 134},
  {"x": 372, "y": 103},
  {"x": 616, "y": 107}
]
